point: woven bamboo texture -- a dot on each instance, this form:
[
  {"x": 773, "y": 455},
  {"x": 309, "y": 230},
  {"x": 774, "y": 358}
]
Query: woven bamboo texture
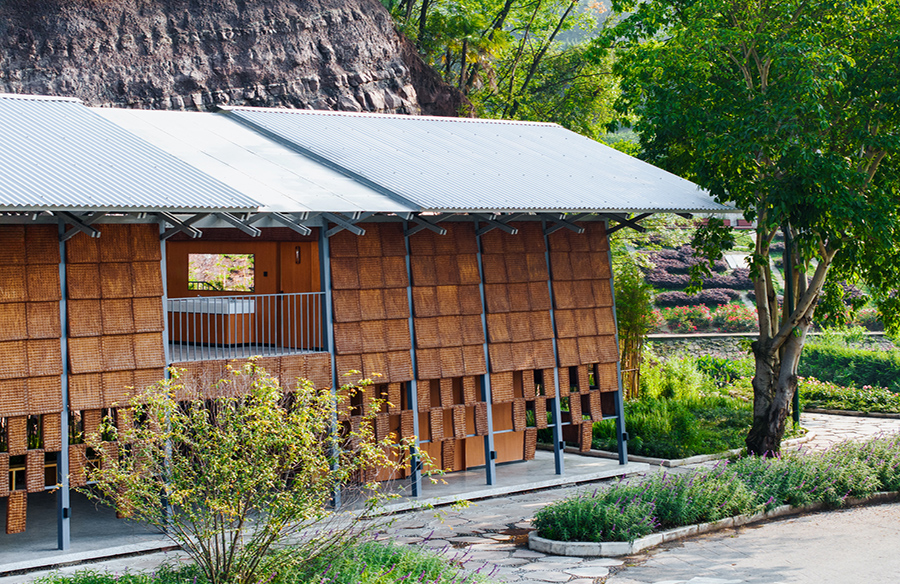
[
  {"x": 446, "y": 385},
  {"x": 42, "y": 244},
  {"x": 501, "y": 357},
  {"x": 429, "y": 364},
  {"x": 502, "y": 387},
  {"x": 14, "y": 360},
  {"x": 42, "y": 321},
  {"x": 519, "y": 297},
  {"x": 14, "y": 286},
  {"x": 124, "y": 419},
  {"x": 436, "y": 423},
  {"x": 472, "y": 331},
  {"x": 345, "y": 273},
  {"x": 148, "y": 315},
  {"x": 522, "y": 355},
  {"x": 12, "y": 245},
  {"x": 602, "y": 293},
  {"x": 396, "y": 304},
  {"x": 44, "y": 394},
  {"x": 607, "y": 349},
  {"x": 117, "y": 281},
  {"x": 423, "y": 397},
  {"x": 16, "y": 505},
  {"x": 90, "y": 420},
  {"x": 400, "y": 366},
  {"x": 372, "y": 333},
  {"x": 394, "y": 269},
  {"x": 394, "y": 397},
  {"x": 446, "y": 271},
  {"x": 34, "y": 471},
  {"x": 424, "y": 301},
  {"x": 519, "y": 416},
  {"x": 371, "y": 304},
  {"x": 469, "y": 300},
  {"x": 117, "y": 352},
  {"x": 459, "y": 422},
  {"x": 17, "y": 435},
  {"x": 448, "y": 455},
  {"x": 549, "y": 382},
  {"x": 78, "y": 465},
  {"x": 346, "y": 305},
  {"x": 43, "y": 283},
  {"x": 498, "y": 328},
  {"x": 371, "y": 272},
  {"x": 528, "y": 385},
  {"x": 12, "y": 315},
  {"x": 407, "y": 421},
  {"x": 494, "y": 265},
  {"x": 496, "y": 298},
  {"x": 118, "y": 388},
  {"x": 607, "y": 376},
  {"x": 448, "y": 301},
  {"x": 596, "y": 407},
  {"x": 565, "y": 381},
  {"x": 13, "y": 398},
  {"x": 583, "y": 378},
  {"x": 473, "y": 356},
  {"x": 85, "y": 391},
  {"x": 51, "y": 431},
  {"x": 427, "y": 333},
  {"x": 575, "y": 408},
  {"x": 44, "y": 357},
  {"x": 375, "y": 365},
  {"x": 471, "y": 392},
  {"x": 347, "y": 338},
  {"x": 452, "y": 364},
  {"x": 568, "y": 352},
  {"x": 481, "y": 419},
  {"x": 318, "y": 370},
  {"x": 4, "y": 474},
  {"x": 530, "y": 443},
  {"x": 423, "y": 271},
  {"x": 540, "y": 412},
  {"x": 586, "y": 437},
  {"x": 382, "y": 426}
]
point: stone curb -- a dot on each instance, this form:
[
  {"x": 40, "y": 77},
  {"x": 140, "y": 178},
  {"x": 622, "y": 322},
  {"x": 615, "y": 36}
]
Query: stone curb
[
  {"x": 676, "y": 462},
  {"x": 624, "y": 548},
  {"x": 70, "y": 559},
  {"x": 889, "y": 415}
]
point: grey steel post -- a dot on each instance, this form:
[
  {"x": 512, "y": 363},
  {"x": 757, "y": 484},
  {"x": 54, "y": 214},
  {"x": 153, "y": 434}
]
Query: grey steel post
[
  {"x": 167, "y": 505},
  {"x": 558, "y": 444},
  {"x": 621, "y": 434},
  {"x": 490, "y": 454},
  {"x": 63, "y": 504},
  {"x": 412, "y": 389},
  {"x": 328, "y": 331}
]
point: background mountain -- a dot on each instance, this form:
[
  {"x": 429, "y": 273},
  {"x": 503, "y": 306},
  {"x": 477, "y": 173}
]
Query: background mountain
[{"x": 194, "y": 54}]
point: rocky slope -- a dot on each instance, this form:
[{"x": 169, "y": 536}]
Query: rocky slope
[{"x": 194, "y": 54}]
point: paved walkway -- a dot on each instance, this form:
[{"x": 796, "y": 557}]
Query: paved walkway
[{"x": 857, "y": 545}]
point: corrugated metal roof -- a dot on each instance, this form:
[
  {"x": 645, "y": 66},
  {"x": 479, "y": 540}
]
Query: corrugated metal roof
[
  {"x": 278, "y": 177},
  {"x": 59, "y": 154},
  {"x": 458, "y": 164}
]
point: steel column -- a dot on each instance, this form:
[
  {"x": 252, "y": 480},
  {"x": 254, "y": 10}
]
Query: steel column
[
  {"x": 63, "y": 504},
  {"x": 328, "y": 330},
  {"x": 558, "y": 444},
  {"x": 490, "y": 454},
  {"x": 412, "y": 389},
  {"x": 621, "y": 434}
]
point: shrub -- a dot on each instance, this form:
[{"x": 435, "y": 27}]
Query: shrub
[
  {"x": 851, "y": 366},
  {"x": 831, "y": 396},
  {"x": 869, "y": 318},
  {"x": 724, "y": 370},
  {"x": 712, "y": 297},
  {"x": 735, "y": 318},
  {"x": 687, "y": 319},
  {"x": 666, "y": 281},
  {"x": 670, "y": 265},
  {"x": 673, "y": 378}
]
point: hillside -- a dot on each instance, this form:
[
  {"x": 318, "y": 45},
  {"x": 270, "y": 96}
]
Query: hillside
[{"x": 193, "y": 54}]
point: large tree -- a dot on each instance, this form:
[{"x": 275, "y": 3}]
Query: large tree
[{"x": 789, "y": 110}]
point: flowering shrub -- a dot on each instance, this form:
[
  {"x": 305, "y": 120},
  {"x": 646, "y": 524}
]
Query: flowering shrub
[
  {"x": 687, "y": 319},
  {"x": 870, "y": 319},
  {"x": 831, "y": 396},
  {"x": 734, "y": 318}
]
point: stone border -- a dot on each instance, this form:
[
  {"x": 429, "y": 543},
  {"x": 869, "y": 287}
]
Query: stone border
[
  {"x": 676, "y": 462},
  {"x": 889, "y": 415},
  {"x": 624, "y": 548}
]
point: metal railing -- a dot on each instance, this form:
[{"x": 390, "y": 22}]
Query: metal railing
[{"x": 237, "y": 327}]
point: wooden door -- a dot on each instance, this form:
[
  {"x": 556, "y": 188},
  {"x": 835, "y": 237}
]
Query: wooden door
[{"x": 301, "y": 316}]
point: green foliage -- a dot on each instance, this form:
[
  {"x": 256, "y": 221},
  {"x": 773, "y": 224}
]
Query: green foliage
[
  {"x": 629, "y": 510},
  {"x": 673, "y": 378},
  {"x": 724, "y": 370},
  {"x": 634, "y": 319},
  {"x": 164, "y": 575},
  {"x": 242, "y": 466},
  {"x": 851, "y": 366},
  {"x": 831, "y": 396}
]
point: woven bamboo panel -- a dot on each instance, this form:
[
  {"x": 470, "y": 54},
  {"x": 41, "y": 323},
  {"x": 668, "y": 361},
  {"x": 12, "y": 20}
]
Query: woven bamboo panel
[
  {"x": 467, "y": 266},
  {"x": 424, "y": 301},
  {"x": 450, "y": 331},
  {"x": 444, "y": 244},
  {"x": 520, "y": 327},
  {"x": 43, "y": 283},
  {"x": 347, "y": 363},
  {"x": 17, "y": 435},
  {"x": 4, "y": 474},
  {"x": 448, "y": 455},
  {"x": 549, "y": 383},
  {"x": 563, "y": 295},
  {"x": 423, "y": 396},
  {"x": 117, "y": 388},
  {"x": 583, "y": 379},
  {"x": 472, "y": 330},
  {"x": 471, "y": 393},
  {"x": 78, "y": 463},
  {"x": 607, "y": 349},
  {"x": 494, "y": 265},
  {"x": 399, "y": 366},
  {"x": 145, "y": 245},
  {"x": 371, "y": 304},
  {"x": 343, "y": 244},
  {"x": 519, "y": 418},
  {"x": 44, "y": 357},
  {"x": 12, "y": 315},
  {"x": 575, "y": 408},
  {"x": 392, "y": 240},
  {"x": 42, "y": 320},
  {"x": 496, "y": 297},
  {"x": 375, "y": 365},
  {"x": 501, "y": 357},
  {"x": 116, "y": 281},
  {"x": 436, "y": 423},
  {"x": 519, "y": 300},
  {"x": 536, "y": 267},
  {"x": 13, "y": 398},
  {"x": 600, "y": 264},
  {"x": 148, "y": 351},
  {"x": 448, "y": 300},
  {"x": 528, "y": 388},
  {"x": 481, "y": 419},
  {"x": 369, "y": 244},
  {"x": 560, "y": 266},
  {"x": 446, "y": 385},
  {"x": 34, "y": 471},
  {"x": 83, "y": 249},
  {"x": 539, "y": 296},
  {"x": 565, "y": 384},
  {"x": 91, "y": 420},
  {"x": 452, "y": 363},
  {"x": 345, "y": 273},
  {"x": 394, "y": 397},
  {"x": 540, "y": 412},
  {"x": 84, "y": 318},
  {"x": 596, "y": 234},
  {"x": 44, "y": 394},
  {"x": 292, "y": 368},
  {"x": 16, "y": 505},
  {"x": 394, "y": 271},
  {"x": 585, "y": 324},
  {"x": 13, "y": 360},
  {"x": 568, "y": 352},
  {"x": 522, "y": 355},
  {"x": 83, "y": 281},
  {"x": 347, "y": 338},
  {"x": 144, "y": 378},
  {"x": 586, "y": 437},
  {"x": 428, "y": 363},
  {"x": 51, "y": 430},
  {"x": 373, "y": 336},
  {"x": 459, "y": 422},
  {"x": 596, "y": 406},
  {"x": 371, "y": 273},
  {"x": 582, "y": 294},
  {"x": 544, "y": 357},
  {"x": 581, "y": 265},
  {"x": 14, "y": 287},
  {"x": 148, "y": 314},
  {"x": 498, "y": 328},
  {"x": 422, "y": 243},
  {"x": 502, "y": 387},
  {"x": 579, "y": 242},
  {"x": 85, "y": 391},
  {"x": 346, "y": 305},
  {"x": 12, "y": 245},
  {"x": 530, "y": 443},
  {"x": 602, "y": 292},
  {"x": 318, "y": 370},
  {"x": 110, "y": 455},
  {"x": 541, "y": 325},
  {"x": 464, "y": 234},
  {"x": 607, "y": 376},
  {"x": 396, "y": 304},
  {"x": 407, "y": 421},
  {"x": 517, "y": 269},
  {"x": 473, "y": 358},
  {"x": 469, "y": 300},
  {"x": 446, "y": 271},
  {"x": 423, "y": 270},
  {"x": 396, "y": 333},
  {"x": 382, "y": 426},
  {"x": 606, "y": 322},
  {"x": 492, "y": 242},
  {"x": 115, "y": 244}
]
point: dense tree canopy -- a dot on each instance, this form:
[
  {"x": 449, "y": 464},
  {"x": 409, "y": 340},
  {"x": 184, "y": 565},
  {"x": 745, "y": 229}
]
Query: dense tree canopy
[{"x": 790, "y": 110}]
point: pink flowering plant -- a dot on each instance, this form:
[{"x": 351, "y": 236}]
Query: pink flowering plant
[{"x": 735, "y": 318}]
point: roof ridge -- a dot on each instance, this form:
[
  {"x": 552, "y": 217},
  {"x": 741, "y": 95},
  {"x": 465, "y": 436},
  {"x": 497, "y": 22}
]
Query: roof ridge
[{"x": 29, "y": 97}]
